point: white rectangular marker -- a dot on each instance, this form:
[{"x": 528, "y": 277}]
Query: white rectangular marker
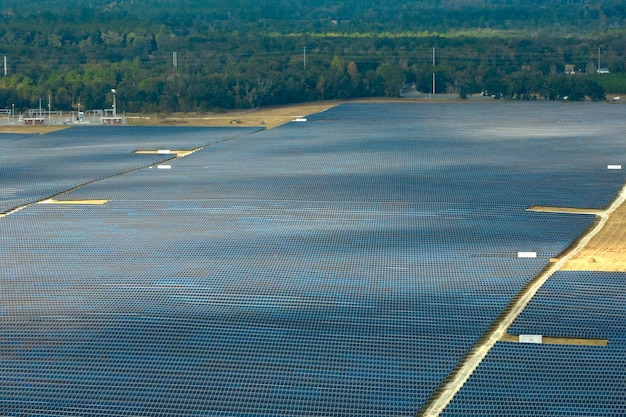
[
  {"x": 613, "y": 167},
  {"x": 530, "y": 338},
  {"x": 526, "y": 254},
  {"x": 163, "y": 151},
  {"x": 164, "y": 166},
  {"x": 300, "y": 119}
]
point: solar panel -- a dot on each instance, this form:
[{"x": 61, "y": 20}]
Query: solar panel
[
  {"x": 559, "y": 380},
  {"x": 33, "y": 167},
  {"x": 341, "y": 266}
]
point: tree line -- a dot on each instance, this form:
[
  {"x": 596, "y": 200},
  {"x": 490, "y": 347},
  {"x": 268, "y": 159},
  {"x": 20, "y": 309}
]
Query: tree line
[{"x": 210, "y": 56}]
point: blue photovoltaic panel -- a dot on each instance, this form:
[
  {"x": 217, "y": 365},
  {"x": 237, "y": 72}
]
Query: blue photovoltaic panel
[
  {"x": 259, "y": 308},
  {"x": 341, "y": 266},
  {"x": 531, "y": 380},
  {"x": 522, "y": 153},
  {"x": 33, "y": 167},
  {"x": 414, "y": 153},
  {"x": 556, "y": 380},
  {"x": 580, "y": 304}
]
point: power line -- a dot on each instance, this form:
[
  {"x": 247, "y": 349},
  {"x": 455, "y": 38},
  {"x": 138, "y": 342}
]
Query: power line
[{"x": 219, "y": 58}]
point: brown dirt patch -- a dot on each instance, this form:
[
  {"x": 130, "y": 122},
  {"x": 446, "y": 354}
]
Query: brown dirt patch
[
  {"x": 268, "y": 117},
  {"x": 564, "y": 210},
  {"x": 30, "y": 130},
  {"x": 606, "y": 251}
]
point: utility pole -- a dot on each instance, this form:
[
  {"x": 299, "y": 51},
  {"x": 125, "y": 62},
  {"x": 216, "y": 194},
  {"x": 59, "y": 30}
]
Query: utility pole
[
  {"x": 433, "y": 89},
  {"x": 5, "y": 65},
  {"x": 175, "y": 60},
  {"x": 304, "y": 55},
  {"x": 114, "y": 103}
]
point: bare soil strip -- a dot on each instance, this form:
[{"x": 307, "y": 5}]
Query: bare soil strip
[
  {"x": 606, "y": 251},
  {"x": 567, "y": 210},
  {"x": 551, "y": 340},
  {"x": 470, "y": 362},
  {"x": 39, "y": 129}
]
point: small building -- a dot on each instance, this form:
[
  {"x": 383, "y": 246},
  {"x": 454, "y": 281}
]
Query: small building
[{"x": 34, "y": 121}]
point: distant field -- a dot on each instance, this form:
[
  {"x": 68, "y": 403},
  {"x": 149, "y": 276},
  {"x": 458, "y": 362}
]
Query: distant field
[{"x": 613, "y": 84}]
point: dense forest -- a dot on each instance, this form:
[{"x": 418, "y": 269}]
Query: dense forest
[{"x": 197, "y": 55}]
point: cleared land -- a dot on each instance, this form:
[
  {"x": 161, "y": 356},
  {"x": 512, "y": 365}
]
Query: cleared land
[
  {"x": 31, "y": 129},
  {"x": 269, "y": 117},
  {"x": 606, "y": 251}
]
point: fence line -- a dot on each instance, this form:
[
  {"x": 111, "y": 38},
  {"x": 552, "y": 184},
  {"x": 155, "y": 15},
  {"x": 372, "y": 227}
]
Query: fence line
[{"x": 46, "y": 117}]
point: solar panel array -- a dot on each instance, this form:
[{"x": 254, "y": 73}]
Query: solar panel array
[
  {"x": 33, "y": 167},
  {"x": 341, "y": 266},
  {"x": 578, "y": 304},
  {"x": 557, "y": 380}
]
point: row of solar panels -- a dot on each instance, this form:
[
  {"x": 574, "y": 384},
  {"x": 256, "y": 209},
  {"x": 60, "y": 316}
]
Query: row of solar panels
[
  {"x": 33, "y": 167},
  {"x": 557, "y": 380},
  {"x": 341, "y": 266}
]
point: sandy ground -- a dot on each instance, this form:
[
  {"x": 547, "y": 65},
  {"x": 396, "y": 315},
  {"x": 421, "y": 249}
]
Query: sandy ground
[
  {"x": 606, "y": 251},
  {"x": 269, "y": 117},
  {"x": 30, "y": 129}
]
